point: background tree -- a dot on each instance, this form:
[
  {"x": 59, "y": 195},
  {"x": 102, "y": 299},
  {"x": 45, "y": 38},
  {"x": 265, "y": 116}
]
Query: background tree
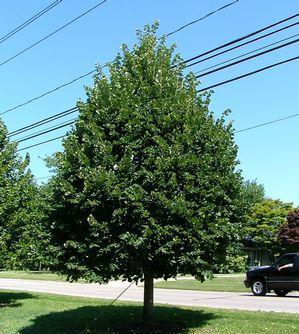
[
  {"x": 33, "y": 250},
  {"x": 146, "y": 186},
  {"x": 236, "y": 259},
  {"x": 288, "y": 233},
  {"x": 264, "y": 221},
  {"x": 22, "y": 233},
  {"x": 253, "y": 193}
]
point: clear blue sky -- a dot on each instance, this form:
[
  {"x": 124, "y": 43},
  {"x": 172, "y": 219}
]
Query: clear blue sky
[{"x": 268, "y": 154}]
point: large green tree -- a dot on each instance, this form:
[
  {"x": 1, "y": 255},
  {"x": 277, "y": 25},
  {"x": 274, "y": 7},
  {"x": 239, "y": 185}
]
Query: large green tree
[
  {"x": 146, "y": 186},
  {"x": 22, "y": 233}
]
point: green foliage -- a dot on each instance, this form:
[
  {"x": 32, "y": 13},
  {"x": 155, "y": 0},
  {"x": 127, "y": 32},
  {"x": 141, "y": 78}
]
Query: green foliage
[
  {"x": 253, "y": 193},
  {"x": 288, "y": 233},
  {"x": 235, "y": 260},
  {"x": 147, "y": 181},
  {"x": 264, "y": 221},
  {"x": 22, "y": 235}
]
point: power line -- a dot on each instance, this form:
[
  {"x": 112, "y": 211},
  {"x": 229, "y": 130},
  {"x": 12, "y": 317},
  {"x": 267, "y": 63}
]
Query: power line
[
  {"x": 267, "y": 123},
  {"x": 247, "y": 53},
  {"x": 238, "y": 40},
  {"x": 242, "y": 44},
  {"x": 93, "y": 71},
  {"x": 201, "y": 90},
  {"x": 40, "y": 143},
  {"x": 51, "y": 128},
  {"x": 201, "y": 18},
  {"x": 43, "y": 121},
  {"x": 45, "y": 132},
  {"x": 52, "y": 33},
  {"x": 248, "y": 74},
  {"x": 48, "y": 92},
  {"x": 237, "y": 131},
  {"x": 72, "y": 110},
  {"x": 248, "y": 58},
  {"x": 29, "y": 21}
]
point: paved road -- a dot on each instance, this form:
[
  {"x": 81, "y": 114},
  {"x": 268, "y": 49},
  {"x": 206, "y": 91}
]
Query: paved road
[{"x": 225, "y": 300}]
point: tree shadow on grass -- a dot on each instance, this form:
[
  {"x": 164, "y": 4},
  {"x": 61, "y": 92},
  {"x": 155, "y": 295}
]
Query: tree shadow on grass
[
  {"x": 12, "y": 299},
  {"x": 120, "y": 319}
]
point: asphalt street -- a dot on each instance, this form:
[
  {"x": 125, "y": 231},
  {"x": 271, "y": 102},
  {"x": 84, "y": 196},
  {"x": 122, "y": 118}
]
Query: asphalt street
[{"x": 225, "y": 300}]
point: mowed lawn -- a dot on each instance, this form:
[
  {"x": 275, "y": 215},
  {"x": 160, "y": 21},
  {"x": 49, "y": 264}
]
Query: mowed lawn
[
  {"x": 232, "y": 283},
  {"x": 32, "y": 313},
  {"x": 32, "y": 275},
  {"x": 218, "y": 283}
]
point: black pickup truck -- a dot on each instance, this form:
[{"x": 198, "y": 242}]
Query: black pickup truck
[{"x": 282, "y": 276}]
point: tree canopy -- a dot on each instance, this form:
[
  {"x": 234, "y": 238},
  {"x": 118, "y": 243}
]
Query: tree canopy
[
  {"x": 253, "y": 193},
  {"x": 288, "y": 233},
  {"x": 264, "y": 221},
  {"x": 21, "y": 232},
  {"x": 24, "y": 227},
  {"x": 146, "y": 186}
]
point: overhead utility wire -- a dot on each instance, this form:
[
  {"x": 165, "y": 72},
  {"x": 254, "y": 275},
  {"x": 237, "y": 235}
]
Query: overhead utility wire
[
  {"x": 240, "y": 39},
  {"x": 201, "y": 90},
  {"x": 242, "y": 44},
  {"x": 45, "y": 132},
  {"x": 248, "y": 74},
  {"x": 237, "y": 131},
  {"x": 52, "y": 33},
  {"x": 248, "y": 58},
  {"x": 41, "y": 143},
  {"x": 72, "y": 110},
  {"x": 43, "y": 121},
  {"x": 245, "y": 54},
  {"x": 52, "y": 128},
  {"x": 48, "y": 92},
  {"x": 267, "y": 123},
  {"x": 202, "y": 18},
  {"x": 29, "y": 21},
  {"x": 75, "y": 109},
  {"x": 93, "y": 71}
]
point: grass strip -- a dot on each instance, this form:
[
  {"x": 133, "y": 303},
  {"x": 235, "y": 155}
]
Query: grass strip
[{"x": 36, "y": 313}]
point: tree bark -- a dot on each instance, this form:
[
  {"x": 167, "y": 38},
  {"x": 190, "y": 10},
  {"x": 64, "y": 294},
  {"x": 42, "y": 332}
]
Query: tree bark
[{"x": 148, "y": 301}]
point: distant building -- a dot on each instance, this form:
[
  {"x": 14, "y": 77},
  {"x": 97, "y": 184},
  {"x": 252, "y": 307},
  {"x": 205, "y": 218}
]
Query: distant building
[{"x": 257, "y": 256}]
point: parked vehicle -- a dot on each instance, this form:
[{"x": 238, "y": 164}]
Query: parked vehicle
[{"x": 282, "y": 276}]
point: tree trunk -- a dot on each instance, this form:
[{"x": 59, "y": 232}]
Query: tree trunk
[{"x": 148, "y": 301}]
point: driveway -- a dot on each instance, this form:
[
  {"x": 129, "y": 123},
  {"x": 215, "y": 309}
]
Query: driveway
[{"x": 225, "y": 300}]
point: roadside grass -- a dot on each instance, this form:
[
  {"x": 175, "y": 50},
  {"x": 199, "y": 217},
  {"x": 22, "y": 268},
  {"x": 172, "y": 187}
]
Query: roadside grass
[
  {"x": 233, "y": 283},
  {"x": 35, "y": 313},
  {"x": 32, "y": 275},
  {"x": 218, "y": 283}
]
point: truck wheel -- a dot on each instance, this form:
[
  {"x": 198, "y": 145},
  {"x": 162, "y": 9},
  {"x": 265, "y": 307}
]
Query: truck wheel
[
  {"x": 281, "y": 292},
  {"x": 258, "y": 287}
]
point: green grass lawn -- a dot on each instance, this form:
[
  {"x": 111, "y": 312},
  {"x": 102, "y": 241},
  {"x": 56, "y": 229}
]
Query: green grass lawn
[
  {"x": 33, "y": 275},
  {"x": 32, "y": 313},
  {"x": 231, "y": 284}
]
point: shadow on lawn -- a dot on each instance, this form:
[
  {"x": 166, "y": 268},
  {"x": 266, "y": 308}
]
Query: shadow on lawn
[
  {"x": 12, "y": 299},
  {"x": 120, "y": 319}
]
